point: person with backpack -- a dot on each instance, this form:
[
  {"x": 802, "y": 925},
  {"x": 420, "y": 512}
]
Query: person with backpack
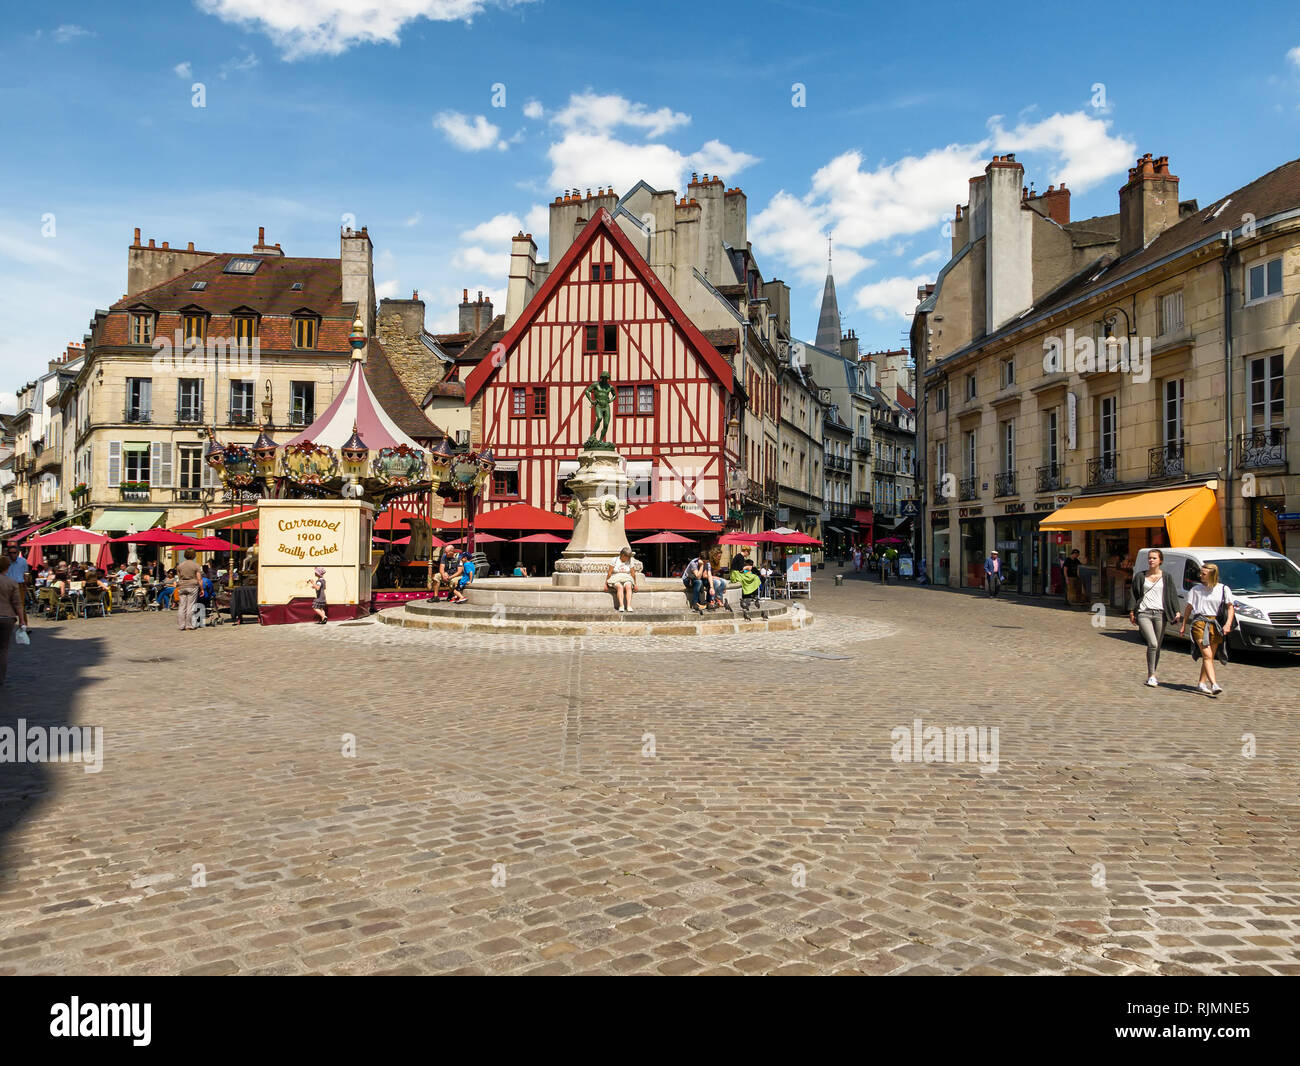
[{"x": 1210, "y": 607}]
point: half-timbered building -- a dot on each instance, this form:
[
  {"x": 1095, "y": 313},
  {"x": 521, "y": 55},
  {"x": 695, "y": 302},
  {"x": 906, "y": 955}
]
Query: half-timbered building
[{"x": 600, "y": 310}]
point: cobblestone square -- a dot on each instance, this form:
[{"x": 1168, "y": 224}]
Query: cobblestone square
[{"x": 362, "y": 798}]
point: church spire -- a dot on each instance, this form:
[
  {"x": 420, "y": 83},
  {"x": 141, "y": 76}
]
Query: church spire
[{"x": 828, "y": 325}]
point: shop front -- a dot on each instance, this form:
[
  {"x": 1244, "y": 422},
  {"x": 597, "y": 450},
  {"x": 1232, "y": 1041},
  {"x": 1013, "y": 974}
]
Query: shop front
[
  {"x": 1111, "y": 531},
  {"x": 1018, "y": 548},
  {"x": 971, "y": 528},
  {"x": 941, "y": 551}
]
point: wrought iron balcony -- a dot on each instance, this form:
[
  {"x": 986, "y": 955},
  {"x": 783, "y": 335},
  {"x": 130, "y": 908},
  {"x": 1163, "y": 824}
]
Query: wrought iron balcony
[
  {"x": 1104, "y": 469},
  {"x": 940, "y": 496},
  {"x": 1262, "y": 448},
  {"x": 135, "y": 495},
  {"x": 1004, "y": 484},
  {"x": 13, "y": 508},
  {"x": 302, "y": 418},
  {"x": 968, "y": 488},
  {"x": 1166, "y": 460},
  {"x": 241, "y": 416},
  {"x": 136, "y": 414},
  {"x": 886, "y": 466},
  {"x": 864, "y": 499},
  {"x": 862, "y": 445},
  {"x": 189, "y": 413},
  {"x": 1049, "y": 477}
]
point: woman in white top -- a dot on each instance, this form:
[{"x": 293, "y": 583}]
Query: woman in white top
[
  {"x": 621, "y": 577},
  {"x": 1155, "y": 604},
  {"x": 1205, "y": 602}
]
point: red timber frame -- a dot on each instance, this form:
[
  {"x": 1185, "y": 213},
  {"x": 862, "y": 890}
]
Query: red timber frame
[{"x": 657, "y": 344}]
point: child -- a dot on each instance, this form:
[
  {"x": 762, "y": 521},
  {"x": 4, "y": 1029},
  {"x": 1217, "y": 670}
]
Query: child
[{"x": 319, "y": 605}]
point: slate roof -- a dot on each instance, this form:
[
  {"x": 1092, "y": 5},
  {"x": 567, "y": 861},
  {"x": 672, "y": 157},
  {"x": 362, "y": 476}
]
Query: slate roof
[{"x": 268, "y": 290}]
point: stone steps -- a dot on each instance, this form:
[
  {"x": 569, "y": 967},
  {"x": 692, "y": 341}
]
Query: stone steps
[{"x": 470, "y": 619}]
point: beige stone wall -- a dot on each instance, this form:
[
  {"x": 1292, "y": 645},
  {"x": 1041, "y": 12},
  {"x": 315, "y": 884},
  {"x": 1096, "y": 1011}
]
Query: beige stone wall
[{"x": 416, "y": 366}]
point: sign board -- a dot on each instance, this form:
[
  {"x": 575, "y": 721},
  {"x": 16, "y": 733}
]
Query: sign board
[
  {"x": 904, "y": 566},
  {"x": 296, "y": 536},
  {"x": 1071, "y": 420},
  {"x": 910, "y": 509},
  {"x": 798, "y": 568},
  {"x": 1014, "y": 508}
]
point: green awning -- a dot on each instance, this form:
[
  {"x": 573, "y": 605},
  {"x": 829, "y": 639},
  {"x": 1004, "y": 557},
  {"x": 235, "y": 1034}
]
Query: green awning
[{"x": 123, "y": 522}]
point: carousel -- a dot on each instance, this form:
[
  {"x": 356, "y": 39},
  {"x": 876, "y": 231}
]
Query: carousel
[{"x": 321, "y": 492}]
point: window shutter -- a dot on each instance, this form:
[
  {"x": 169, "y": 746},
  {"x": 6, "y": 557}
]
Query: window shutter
[
  {"x": 114, "y": 464},
  {"x": 155, "y": 464},
  {"x": 146, "y": 397},
  {"x": 164, "y": 478},
  {"x": 209, "y": 474}
]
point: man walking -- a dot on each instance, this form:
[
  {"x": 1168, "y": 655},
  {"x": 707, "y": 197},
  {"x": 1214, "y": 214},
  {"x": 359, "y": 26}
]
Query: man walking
[
  {"x": 188, "y": 581},
  {"x": 993, "y": 573},
  {"x": 15, "y": 565}
]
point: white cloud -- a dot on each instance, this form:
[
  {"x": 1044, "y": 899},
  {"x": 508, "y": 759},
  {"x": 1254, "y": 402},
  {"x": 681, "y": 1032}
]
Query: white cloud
[
  {"x": 386, "y": 290},
  {"x": 68, "y": 32},
  {"x": 595, "y": 159},
  {"x": 414, "y": 220},
  {"x": 591, "y": 112},
  {"x": 1294, "y": 56},
  {"x": 929, "y": 257},
  {"x": 183, "y": 70},
  {"x": 890, "y": 297},
  {"x": 538, "y": 221},
  {"x": 861, "y": 206},
  {"x": 237, "y": 65},
  {"x": 498, "y": 229},
  {"x": 485, "y": 248},
  {"x": 331, "y": 27},
  {"x": 718, "y": 158},
  {"x": 533, "y": 109},
  {"x": 8, "y": 403},
  {"x": 469, "y": 136},
  {"x": 442, "y": 305}
]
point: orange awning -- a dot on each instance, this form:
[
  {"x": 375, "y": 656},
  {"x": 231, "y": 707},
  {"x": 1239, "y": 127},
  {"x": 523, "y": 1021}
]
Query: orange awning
[{"x": 1189, "y": 514}]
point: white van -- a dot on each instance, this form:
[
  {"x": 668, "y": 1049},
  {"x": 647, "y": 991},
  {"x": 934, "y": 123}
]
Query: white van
[{"x": 1265, "y": 585}]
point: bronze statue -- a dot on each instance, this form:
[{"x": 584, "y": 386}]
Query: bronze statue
[{"x": 601, "y": 395}]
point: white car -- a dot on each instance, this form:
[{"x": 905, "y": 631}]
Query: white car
[{"x": 1265, "y": 586}]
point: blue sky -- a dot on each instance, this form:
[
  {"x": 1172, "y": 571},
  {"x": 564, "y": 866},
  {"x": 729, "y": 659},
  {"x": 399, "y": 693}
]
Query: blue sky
[{"x": 384, "y": 111}]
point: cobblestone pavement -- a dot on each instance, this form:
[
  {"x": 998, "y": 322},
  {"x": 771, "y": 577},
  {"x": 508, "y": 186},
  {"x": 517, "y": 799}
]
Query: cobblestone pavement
[{"x": 691, "y": 805}]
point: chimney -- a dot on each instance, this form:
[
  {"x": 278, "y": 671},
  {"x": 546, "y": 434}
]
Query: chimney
[
  {"x": 1008, "y": 266},
  {"x": 262, "y": 246},
  {"x": 1148, "y": 204},
  {"x": 849, "y": 345},
  {"x": 357, "y": 267},
  {"x": 477, "y": 316},
  {"x": 523, "y": 273},
  {"x": 1053, "y": 204}
]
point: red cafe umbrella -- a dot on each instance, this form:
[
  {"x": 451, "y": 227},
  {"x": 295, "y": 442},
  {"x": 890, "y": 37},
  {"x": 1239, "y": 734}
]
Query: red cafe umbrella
[
  {"x": 163, "y": 538},
  {"x": 105, "y": 557},
  {"x": 212, "y": 544},
  {"x": 70, "y": 535},
  {"x": 739, "y": 538},
  {"x": 480, "y": 538},
  {"x": 665, "y": 538},
  {"x": 543, "y": 539}
]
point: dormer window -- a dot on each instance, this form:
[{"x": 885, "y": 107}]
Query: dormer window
[
  {"x": 196, "y": 327},
  {"x": 296, "y": 286},
  {"x": 242, "y": 265},
  {"x": 245, "y": 327},
  {"x": 198, "y": 286},
  {"x": 142, "y": 323},
  {"x": 304, "y": 331}
]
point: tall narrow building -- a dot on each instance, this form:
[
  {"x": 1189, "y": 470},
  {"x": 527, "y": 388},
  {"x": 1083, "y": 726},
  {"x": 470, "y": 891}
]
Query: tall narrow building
[{"x": 828, "y": 325}]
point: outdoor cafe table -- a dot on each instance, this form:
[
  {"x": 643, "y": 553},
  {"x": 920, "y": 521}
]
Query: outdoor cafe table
[{"x": 243, "y": 600}]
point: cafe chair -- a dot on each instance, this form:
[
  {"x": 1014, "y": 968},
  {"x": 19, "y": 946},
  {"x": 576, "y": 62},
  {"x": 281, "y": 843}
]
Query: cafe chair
[{"x": 95, "y": 599}]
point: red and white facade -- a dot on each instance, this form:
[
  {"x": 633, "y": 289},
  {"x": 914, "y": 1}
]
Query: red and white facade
[{"x": 601, "y": 309}]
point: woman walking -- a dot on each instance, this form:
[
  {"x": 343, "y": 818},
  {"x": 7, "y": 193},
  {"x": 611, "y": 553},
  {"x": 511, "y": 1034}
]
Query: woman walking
[
  {"x": 1206, "y": 602},
  {"x": 1155, "y": 604},
  {"x": 319, "y": 605},
  {"x": 621, "y": 577}
]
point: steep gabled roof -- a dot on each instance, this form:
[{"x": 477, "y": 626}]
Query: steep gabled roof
[
  {"x": 602, "y": 223},
  {"x": 394, "y": 397}
]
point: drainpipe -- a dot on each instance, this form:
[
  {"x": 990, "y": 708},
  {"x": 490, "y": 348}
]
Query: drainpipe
[{"x": 1226, "y": 262}]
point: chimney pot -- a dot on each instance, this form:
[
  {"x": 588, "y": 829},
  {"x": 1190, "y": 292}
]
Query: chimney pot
[
  {"x": 464, "y": 296},
  {"x": 137, "y": 236},
  {"x": 164, "y": 244},
  {"x": 261, "y": 234},
  {"x": 150, "y": 242},
  {"x": 190, "y": 246}
]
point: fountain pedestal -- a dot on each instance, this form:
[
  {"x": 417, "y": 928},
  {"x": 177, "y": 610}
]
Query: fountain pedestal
[{"x": 599, "y": 506}]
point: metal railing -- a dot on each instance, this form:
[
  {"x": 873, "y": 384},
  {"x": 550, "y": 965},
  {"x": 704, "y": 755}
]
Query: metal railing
[
  {"x": 1004, "y": 484},
  {"x": 136, "y": 414},
  {"x": 240, "y": 417},
  {"x": 1104, "y": 469},
  {"x": 1262, "y": 447},
  {"x": 1166, "y": 460},
  {"x": 968, "y": 488},
  {"x": 1049, "y": 477},
  {"x": 862, "y": 444},
  {"x": 302, "y": 418},
  {"x": 886, "y": 466},
  {"x": 939, "y": 495},
  {"x": 189, "y": 413}
]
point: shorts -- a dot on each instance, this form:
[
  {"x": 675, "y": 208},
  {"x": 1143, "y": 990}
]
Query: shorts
[
  {"x": 619, "y": 579},
  {"x": 1199, "y": 638},
  {"x": 460, "y": 585}
]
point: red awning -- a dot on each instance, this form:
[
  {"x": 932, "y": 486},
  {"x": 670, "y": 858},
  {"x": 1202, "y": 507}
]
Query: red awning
[
  {"x": 26, "y": 533},
  {"x": 522, "y": 516},
  {"x": 251, "y": 509},
  {"x": 664, "y": 515}
]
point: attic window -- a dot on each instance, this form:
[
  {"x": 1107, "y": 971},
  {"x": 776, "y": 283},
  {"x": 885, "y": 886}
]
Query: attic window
[
  {"x": 198, "y": 286},
  {"x": 296, "y": 286},
  {"x": 242, "y": 265}
]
